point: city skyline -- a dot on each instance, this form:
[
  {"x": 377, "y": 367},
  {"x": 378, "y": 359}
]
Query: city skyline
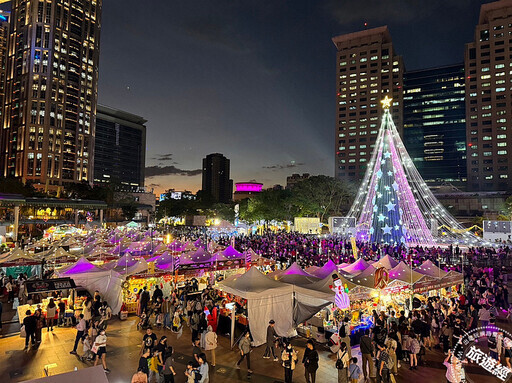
[
  {"x": 257, "y": 74},
  {"x": 248, "y": 63}
]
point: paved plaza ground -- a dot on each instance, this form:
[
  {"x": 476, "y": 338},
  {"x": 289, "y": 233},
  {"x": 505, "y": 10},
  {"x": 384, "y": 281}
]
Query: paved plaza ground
[{"x": 123, "y": 347}]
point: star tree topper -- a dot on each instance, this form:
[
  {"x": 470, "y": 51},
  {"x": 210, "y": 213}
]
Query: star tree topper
[{"x": 386, "y": 102}]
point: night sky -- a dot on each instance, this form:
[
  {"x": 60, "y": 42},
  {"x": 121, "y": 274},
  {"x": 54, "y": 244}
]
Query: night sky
[{"x": 252, "y": 79}]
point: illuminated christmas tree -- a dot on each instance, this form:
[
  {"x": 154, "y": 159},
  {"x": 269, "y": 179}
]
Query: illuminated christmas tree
[{"x": 394, "y": 205}]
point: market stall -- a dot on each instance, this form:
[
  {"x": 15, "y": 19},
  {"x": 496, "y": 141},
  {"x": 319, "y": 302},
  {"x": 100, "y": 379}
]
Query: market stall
[{"x": 44, "y": 288}]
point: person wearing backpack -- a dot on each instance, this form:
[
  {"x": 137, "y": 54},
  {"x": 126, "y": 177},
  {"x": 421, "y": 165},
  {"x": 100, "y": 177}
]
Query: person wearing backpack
[
  {"x": 344, "y": 334},
  {"x": 384, "y": 364},
  {"x": 191, "y": 373},
  {"x": 342, "y": 362}
]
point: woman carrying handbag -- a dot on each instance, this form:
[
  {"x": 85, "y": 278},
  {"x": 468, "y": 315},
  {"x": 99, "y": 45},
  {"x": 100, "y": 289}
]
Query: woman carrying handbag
[{"x": 342, "y": 363}]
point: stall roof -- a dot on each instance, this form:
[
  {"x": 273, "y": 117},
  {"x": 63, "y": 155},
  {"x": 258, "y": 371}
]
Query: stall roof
[
  {"x": 356, "y": 267},
  {"x": 253, "y": 281},
  {"x": 83, "y": 375},
  {"x": 324, "y": 271},
  {"x": 402, "y": 272},
  {"x": 429, "y": 268},
  {"x": 387, "y": 262}
]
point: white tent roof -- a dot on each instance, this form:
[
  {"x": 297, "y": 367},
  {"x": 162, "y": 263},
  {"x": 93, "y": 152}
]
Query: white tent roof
[
  {"x": 294, "y": 275},
  {"x": 15, "y": 255},
  {"x": 386, "y": 262},
  {"x": 251, "y": 284},
  {"x": 402, "y": 272},
  {"x": 356, "y": 267},
  {"x": 324, "y": 271},
  {"x": 429, "y": 268},
  {"x": 83, "y": 375},
  {"x": 81, "y": 266},
  {"x": 61, "y": 253}
]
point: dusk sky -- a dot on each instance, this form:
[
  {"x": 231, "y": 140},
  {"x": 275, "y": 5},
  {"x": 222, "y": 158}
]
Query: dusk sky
[{"x": 253, "y": 80}]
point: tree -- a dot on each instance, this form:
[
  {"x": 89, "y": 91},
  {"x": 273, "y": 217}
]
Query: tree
[
  {"x": 269, "y": 205},
  {"x": 15, "y": 186},
  {"x": 322, "y": 196}
]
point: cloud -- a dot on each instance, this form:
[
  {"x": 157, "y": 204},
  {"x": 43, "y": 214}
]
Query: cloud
[
  {"x": 215, "y": 32},
  {"x": 154, "y": 171},
  {"x": 292, "y": 164},
  {"x": 163, "y": 157},
  {"x": 402, "y": 11}
]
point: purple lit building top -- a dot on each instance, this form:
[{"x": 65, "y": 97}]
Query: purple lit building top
[{"x": 245, "y": 187}]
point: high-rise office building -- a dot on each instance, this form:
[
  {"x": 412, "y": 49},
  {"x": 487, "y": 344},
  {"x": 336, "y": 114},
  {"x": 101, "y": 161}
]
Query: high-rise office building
[
  {"x": 51, "y": 91},
  {"x": 119, "y": 147},
  {"x": 488, "y": 61},
  {"x": 434, "y": 123},
  {"x": 367, "y": 69},
  {"x": 4, "y": 39},
  {"x": 216, "y": 182}
]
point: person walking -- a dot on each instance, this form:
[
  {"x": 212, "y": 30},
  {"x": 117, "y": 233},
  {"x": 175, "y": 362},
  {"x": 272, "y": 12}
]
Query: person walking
[
  {"x": 62, "y": 313},
  {"x": 100, "y": 346},
  {"x": 87, "y": 310},
  {"x": 342, "y": 363},
  {"x": 245, "y": 351},
  {"x": 354, "y": 372},
  {"x": 203, "y": 369},
  {"x": 367, "y": 349},
  {"x": 384, "y": 364},
  {"x": 414, "y": 349},
  {"x": 211, "y": 343},
  {"x": 30, "y": 323},
  {"x": 80, "y": 331},
  {"x": 144, "y": 363},
  {"x": 344, "y": 333},
  {"x": 38, "y": 314},
  {"x": 271, "y": 338},
  {"x": 310, "y": 361},
  {"x": 168, "y": 370},
  {"x": 143, "y": 300},
  {"x": 289, "y": 357},
  {"x": 51, "y": 311}
]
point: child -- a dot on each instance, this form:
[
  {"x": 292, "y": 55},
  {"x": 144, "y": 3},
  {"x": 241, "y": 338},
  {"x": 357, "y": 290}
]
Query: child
[
  {"x": 87, "y": 355},
  {"x": 154, "y": 367},
  {"x": 353, "y": 371},
  {"x": 190, "y": 372}
]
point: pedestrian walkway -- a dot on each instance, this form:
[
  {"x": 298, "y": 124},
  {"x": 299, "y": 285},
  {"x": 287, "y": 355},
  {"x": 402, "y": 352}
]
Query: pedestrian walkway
[{"x": 123, "y": 348}]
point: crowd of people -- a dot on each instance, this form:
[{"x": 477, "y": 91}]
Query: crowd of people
[{"x": 396, "y": 340}]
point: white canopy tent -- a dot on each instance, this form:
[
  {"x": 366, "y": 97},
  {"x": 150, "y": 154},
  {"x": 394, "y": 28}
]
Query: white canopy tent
[
  {"x": 91, "y": 277},
  {"x": 387, "y": 262},
  {"x": 266, "y": 299}
]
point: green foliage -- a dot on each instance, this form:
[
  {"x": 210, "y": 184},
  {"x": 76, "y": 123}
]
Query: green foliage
[
  {"x": 318, "y": 196},
  {"x": 322, "y": 196},
  {"x": 15, "y": 186}
]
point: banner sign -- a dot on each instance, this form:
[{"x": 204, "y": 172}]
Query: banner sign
[{"x": 46, "y": 285}]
